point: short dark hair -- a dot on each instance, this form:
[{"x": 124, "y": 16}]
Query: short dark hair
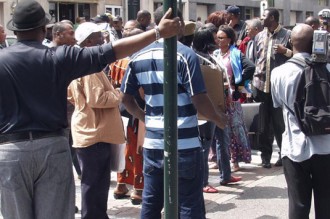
[
  {"x": 230, "y": 32},
  {"x": 204, "y": 40},
  {"x": 211, "y": 27},
  {"x": 142, "y": 14},
  {"x": 159, "y": 13},
  {"x": 274, "y": 12}
]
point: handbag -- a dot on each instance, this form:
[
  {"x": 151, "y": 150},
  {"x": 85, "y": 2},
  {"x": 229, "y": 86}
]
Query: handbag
[
  {"x": 254, "y": 117},
  {"x": 117, "y": 159},
  {"x": 253, "y": 114}
]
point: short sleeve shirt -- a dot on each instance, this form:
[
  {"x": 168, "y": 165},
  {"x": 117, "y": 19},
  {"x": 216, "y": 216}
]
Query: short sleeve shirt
[{"x": 146, "y": 70}]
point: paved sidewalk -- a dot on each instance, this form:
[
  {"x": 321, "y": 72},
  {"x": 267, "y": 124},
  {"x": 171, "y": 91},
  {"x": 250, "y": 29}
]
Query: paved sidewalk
[{"x": 260, "y": 195}]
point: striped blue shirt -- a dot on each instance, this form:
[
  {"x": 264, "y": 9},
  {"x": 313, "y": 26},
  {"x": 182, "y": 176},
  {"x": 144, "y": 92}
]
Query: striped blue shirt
[{"x": 146, "y": 70}]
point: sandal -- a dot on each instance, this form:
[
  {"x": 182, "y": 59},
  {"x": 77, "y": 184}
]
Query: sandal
[
  {"x": 236, "y": 167},
  {"x": 136, "y": 196},
  {"x": 210, "y": 189},
  {"x": 120, "y": 191}
]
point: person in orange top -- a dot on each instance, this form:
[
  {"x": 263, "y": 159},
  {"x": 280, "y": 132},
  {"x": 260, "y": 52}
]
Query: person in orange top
[{"x": 132, "y": 174}]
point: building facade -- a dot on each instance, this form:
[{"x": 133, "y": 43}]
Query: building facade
[{"x": 292, "y": 12}]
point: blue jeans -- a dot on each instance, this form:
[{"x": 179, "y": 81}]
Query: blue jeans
[
  {"x": 95, "y": 180},
  {"x": 206, "y": 132},
  {"x": 36, "y": 179},
  {"x": 190, "y": 180},
  {"x": 223, "y": 154}
]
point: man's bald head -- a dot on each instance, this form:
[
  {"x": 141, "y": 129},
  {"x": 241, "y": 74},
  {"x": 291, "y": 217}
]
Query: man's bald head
[
  {"x": 302, "y": 38},
  {"x": 314, "y": 22}
]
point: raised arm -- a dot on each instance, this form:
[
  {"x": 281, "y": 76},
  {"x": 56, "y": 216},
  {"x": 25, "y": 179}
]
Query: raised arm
[{"x": 167, "y": 28}]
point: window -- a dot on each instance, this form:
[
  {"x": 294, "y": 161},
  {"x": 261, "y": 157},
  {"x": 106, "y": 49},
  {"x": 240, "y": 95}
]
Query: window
[
  {"x": 309, "y": 13},
  {"x": 114, "y": 10},
  {"x": 323, "y": 2},
  {"x": 248, "y": 13},
  {"x": 84, "y": 11}
]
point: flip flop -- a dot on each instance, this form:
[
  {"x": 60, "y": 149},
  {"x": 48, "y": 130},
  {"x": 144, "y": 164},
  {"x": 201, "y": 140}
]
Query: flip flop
[{"x": 210, "y": 189}]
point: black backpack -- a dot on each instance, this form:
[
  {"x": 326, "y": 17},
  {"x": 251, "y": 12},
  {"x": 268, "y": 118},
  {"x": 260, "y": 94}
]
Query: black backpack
[{"x": 312, "y": 98}]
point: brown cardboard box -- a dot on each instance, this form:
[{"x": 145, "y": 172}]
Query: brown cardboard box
[{"x": 213, "y": 79}]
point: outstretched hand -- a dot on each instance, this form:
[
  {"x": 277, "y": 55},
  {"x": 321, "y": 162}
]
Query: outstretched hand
[{"x": 169, "y": 27}]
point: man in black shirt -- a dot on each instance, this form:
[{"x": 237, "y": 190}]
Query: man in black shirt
[
  {"x": 35, "y": 163},
  {"x": 233, "y": 20}
]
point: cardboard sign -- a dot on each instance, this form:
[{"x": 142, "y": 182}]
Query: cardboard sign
[{"x": 213, "y": 79}]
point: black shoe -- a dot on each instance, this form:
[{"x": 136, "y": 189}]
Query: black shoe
[
  {"x": 76, "y": 210},
  {"x": 278, "y": 163},
  {"x": 136, "y": 196},
  {"x": 267, "y": 165}
]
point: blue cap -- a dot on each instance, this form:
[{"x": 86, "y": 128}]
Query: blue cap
[{"x": 233, "y": 9}]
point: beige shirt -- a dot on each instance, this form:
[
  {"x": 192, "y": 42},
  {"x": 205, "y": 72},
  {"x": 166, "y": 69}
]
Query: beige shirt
[{"x": 96, "y": 117}]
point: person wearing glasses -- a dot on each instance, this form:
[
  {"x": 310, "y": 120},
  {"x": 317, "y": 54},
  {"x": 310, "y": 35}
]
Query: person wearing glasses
[{"x": 239, "y": 71}]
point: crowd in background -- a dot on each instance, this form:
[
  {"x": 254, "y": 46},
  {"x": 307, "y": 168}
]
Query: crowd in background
[{"x": 244, "y": 53}]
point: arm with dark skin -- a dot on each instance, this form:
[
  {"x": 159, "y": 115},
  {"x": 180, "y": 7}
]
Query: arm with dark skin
[
  {"x": 132, "y": 106},
  {"x": 128, "y": 45},
  {"x": 205, "y": 107}
]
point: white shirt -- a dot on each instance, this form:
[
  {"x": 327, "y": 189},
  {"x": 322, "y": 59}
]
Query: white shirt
[{"x": 295, "y": 145}]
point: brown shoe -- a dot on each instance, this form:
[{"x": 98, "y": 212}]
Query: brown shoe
[
  {"x": 120, "y": 191},
  {"x": 136, "y": 196}
]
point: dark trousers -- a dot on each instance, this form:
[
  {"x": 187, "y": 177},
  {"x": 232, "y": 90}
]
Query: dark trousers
[
  {"x": 74, "y": 155},
  {"x": 95, "y": 180},
  {"x": 206, "y": 132},
  {"x": 274, "y": 124},
  {"x": 303, "y": 178}
]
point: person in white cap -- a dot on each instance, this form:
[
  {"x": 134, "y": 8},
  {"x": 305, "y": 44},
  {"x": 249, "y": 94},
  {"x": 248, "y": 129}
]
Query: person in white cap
[
  {"x": 35, "y": 164},
  {"x": 96, "y": 125},
  {"x": 324, "y": 16}
]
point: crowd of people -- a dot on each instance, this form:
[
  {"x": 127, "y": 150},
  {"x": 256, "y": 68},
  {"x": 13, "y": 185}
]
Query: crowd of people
[{"x": 66, "y": 107}]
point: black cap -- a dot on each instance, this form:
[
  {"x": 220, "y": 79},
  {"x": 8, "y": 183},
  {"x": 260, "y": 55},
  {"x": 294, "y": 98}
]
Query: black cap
[{"x": 28, "y": 15}]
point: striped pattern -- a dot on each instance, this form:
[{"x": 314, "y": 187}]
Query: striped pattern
[{"x": 146, "y": 70}]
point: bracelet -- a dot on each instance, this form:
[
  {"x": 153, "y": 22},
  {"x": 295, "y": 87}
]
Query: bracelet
[{"x": 157, "y": 32}]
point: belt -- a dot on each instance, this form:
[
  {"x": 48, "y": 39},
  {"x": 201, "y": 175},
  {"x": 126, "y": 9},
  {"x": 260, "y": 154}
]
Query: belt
[{"x": 28, "y": 136}]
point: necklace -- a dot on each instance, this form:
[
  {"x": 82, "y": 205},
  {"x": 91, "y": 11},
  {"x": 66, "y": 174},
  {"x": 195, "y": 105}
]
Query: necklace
[{"x": 224, "y": 54}]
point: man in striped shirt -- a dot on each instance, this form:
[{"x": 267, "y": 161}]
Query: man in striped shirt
[{"x": 146, "y": 70}]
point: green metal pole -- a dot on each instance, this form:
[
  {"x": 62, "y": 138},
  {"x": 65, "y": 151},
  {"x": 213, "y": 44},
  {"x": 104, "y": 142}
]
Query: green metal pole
[{"x": 170, "y": 123}]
